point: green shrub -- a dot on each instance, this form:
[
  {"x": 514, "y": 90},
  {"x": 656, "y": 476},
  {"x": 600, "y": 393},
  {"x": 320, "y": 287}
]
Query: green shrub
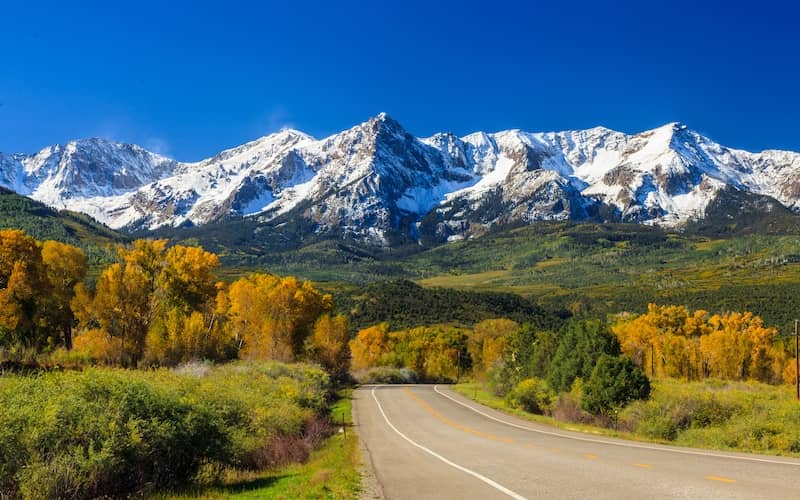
[
  {"x": 567, "y": 406},
  {"x": 671, "y": 412},
  {"x": 615, "y": 381},
  {"x": 580, "y": 346},
  {"x": 532, "y": 395},
  {"x": 716, "y": 414},
  {"x": 501, "y": 378},
  {"x": 658, "y": 427},
  {"x": 107, "y": 432}
]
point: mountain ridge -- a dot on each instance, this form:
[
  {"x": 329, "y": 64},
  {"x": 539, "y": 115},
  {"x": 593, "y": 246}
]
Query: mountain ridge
[{"x": 376, "y": 182}]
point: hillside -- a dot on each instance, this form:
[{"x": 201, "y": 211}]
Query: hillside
[
  {"x": 581, "y": 268},
  {"x": 45, "y": 223},
  {"x": 405, "y": 304}
]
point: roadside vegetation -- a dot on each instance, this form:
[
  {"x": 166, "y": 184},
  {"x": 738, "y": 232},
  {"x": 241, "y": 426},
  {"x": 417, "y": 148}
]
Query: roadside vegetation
[
  {"x": 111, "y": 432},
  {"x": 716, "y": 381},
  {"x": 714, "y": 414},
  {"x": 669, "y": 375},
  {"x": 332, "y": 471},
  {"x": 156, "y": 372},
  {"x": 158, "y": 375}
]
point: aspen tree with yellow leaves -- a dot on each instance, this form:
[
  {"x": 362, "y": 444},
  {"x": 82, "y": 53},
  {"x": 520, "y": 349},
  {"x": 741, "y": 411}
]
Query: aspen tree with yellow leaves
[
  {"x": 329, "y": 345},
  {"x": 669, "y": 341}
]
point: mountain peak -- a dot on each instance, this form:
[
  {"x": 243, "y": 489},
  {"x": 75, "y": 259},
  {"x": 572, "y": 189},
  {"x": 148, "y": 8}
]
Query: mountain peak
[
  {"x": 383, "y": 121},
  {"x": 377, "y": 178},
  {"x": 677, "y": 126},
  {"x": 284, "y": 135},
  {"x": 672, "y": 127},
  {"x": 92, "y": 143}
]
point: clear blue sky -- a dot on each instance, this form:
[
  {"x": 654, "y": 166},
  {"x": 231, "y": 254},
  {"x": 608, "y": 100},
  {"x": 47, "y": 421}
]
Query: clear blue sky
[{"x": 190, "y": 79}]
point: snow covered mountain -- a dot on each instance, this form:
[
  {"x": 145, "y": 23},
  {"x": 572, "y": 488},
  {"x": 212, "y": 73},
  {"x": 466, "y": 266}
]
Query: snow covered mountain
[{"x": 376, "y": 181}]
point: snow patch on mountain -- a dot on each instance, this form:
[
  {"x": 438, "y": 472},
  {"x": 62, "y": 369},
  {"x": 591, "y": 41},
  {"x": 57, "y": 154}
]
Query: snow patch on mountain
[{"x": 376, "y": 179}]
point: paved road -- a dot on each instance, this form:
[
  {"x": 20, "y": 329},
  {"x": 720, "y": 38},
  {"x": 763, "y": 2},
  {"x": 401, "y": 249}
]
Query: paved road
[{"x": 426, "y": 441}]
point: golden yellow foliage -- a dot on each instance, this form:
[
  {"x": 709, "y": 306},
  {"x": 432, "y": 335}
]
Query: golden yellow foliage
[
  {"x": 789, "y": 372},
  {"x": 329, "y": 344},
  {"x": 187, "y": 278},
  {"x": 99, "y": 346},
  {"x": 669, "y": 341},
  {"x": 162, "y": 303},
  {"x": 65, "y": 267},
  {"x": 271, "y": 317},
  {"x": 486, "y": 343},
  {"x": 123, "y": 307},
  {"x": 23, "y": 291},
  {"x": 147, "y": 255},
  {"x": 369, "y": 347},
  {"x": 180, "y": 337}
]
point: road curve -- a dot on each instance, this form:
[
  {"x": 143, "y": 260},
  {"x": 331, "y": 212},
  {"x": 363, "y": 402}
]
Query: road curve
[{"x": 426, "y": 441}]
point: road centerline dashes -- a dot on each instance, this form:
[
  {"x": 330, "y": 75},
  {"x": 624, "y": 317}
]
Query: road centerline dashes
[
  {"x": 493, "y": 484},
  {"x": 721, "y": 479}
]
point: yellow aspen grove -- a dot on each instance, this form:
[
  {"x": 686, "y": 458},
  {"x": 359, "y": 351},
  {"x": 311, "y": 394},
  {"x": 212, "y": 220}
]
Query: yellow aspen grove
[
  {"x": 123, "y": 308},
  {"x": 148, "y": 255},
  {"x": 369, "y": 347},
  {"x": 272, "y": 317},
  {"x": 670, "y": 341},
  {"x": 188, "y": 277},
  {"x": 125, "y": 303},
  {"x": 639, "y": 340}
]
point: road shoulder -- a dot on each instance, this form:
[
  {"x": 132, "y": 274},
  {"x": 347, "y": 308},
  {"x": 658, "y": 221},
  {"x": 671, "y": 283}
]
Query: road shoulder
[{"x": 371, "y": 488}]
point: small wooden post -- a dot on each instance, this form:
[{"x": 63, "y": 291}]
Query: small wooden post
[{"x": 796, "y": 363}]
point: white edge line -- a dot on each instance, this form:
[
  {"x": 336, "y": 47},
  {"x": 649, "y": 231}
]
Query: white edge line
[
  {"x": 485, "y": 479},
  {"x": 614, "y": 443}
]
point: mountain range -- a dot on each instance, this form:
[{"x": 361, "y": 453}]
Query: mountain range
[{"x": 376, "y": 181}]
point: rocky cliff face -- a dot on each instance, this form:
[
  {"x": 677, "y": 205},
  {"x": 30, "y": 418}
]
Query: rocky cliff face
[{"x": 377, "y": 182}]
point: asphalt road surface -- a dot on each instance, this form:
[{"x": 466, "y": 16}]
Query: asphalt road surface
[{"x": 426, "y": 441}]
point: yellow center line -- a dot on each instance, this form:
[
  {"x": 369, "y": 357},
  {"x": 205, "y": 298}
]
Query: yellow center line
[
  {"x": 452, "y": 424},
  {"x": 720, "y": 479},
  {"x": 643, "y": 466},
  {"x": 554, "y": 450},
  {"x": 591, "y": 456}
]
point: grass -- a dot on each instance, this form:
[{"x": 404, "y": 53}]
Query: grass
[
  {"x": 330, "y": 473},
  {"x": 711, "y": 414}
]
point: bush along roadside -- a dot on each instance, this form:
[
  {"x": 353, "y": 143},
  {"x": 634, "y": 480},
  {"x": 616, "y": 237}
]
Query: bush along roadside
[
  {"x": 110, "y": 432},
  {"x": 581, "y": 378},
  {"x": 722, "y": 415},
  {"x": 331, "y": 471}
]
